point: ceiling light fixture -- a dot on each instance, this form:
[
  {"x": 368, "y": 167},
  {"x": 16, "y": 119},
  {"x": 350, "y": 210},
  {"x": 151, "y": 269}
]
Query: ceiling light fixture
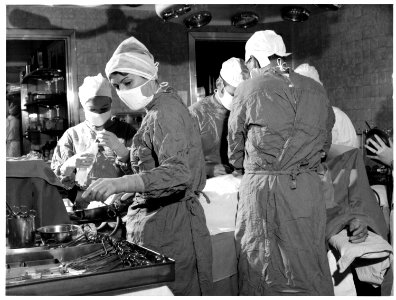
[
  {"x": 295, "y": 13},
  {"x": 198, "y": 19},
  {"x": 171, "y": 11},
  {"x": 244, "y": 20}
]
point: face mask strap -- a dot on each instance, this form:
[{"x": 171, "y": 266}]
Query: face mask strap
[
  {"x": 281, "y": 65},
  {"x": 161, "y": 86}
]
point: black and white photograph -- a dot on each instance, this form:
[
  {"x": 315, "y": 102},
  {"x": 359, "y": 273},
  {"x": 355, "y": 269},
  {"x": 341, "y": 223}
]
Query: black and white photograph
[{"x": 198, "y": 148}]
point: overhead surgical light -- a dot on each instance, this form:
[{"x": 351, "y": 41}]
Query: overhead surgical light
[
  {"x": 198, "y": 19},
  {"x": 295, "y": 13},
  {"x": 171, "y": 11},
  {"x": 192, "y": 16},
  {"x": 244, "y": 19}
]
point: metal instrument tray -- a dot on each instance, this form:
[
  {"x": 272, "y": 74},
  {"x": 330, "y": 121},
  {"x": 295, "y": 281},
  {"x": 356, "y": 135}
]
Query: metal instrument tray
[{"x": 82, "y": 284}]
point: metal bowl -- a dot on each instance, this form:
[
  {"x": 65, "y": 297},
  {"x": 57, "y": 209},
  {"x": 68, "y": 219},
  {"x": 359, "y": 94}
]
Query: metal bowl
[{"x": 58, "y": 233}]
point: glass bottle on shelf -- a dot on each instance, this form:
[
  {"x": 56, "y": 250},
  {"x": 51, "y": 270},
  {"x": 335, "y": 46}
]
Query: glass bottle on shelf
[
  {"x": 59, "y": 84},
  {"x": 58, "y": 119}
]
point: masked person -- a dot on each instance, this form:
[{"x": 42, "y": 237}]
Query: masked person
[
  {"x": 212, "y": 114},
  {"x": 13, "y": 131},
  {"x": 350, "y": 202},
  {"x": 343, "y": 132},
  {"x": 168, "y": 163},
  {"x": 280, "y": 123},
  {"x": 112, "y": 138}
]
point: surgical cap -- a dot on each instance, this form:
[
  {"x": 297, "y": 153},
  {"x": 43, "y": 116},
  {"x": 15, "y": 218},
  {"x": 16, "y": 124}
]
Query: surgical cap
[
  {"x": 308, "y": 71},
  {"x": 94, "y": 86},
  {"x": 234, "y": 71},
  {"x": 14, "y": 109},
  {"x": 263, "y": 44},
  {"x": 132, "y": 57}
]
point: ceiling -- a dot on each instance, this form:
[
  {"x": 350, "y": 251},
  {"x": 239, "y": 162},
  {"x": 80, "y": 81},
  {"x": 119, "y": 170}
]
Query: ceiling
[{"x": 222, "y": 13}]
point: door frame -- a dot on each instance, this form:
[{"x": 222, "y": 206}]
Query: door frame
[
  {"x": 205, "y": 36},
  {"x": 69, "y": 37}
]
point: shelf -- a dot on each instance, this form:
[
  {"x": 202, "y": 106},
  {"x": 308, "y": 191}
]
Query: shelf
[
  {"x": 42, "y": 74},
  {"x": 49, "y": 132},
  {"x": 55, "y": 99}
]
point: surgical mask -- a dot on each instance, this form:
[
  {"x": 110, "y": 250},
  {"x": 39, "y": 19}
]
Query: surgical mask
[
  {"x": 226, "y": 99},
  {"x": 133, "y": 98},
  {"x": 97, "y": 119}
]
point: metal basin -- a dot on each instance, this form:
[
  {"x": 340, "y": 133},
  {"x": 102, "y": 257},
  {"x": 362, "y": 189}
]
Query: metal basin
[{"x": 58, "y": 233}]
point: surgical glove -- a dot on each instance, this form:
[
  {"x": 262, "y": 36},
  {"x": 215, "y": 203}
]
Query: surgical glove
[
  {"x": 127, "y": 196},
  {"x": 382, "y": 152},
  {"x": 221, "y": 169},
  {"x": 81, "y": 160},
  {"x": 102, "y": 188},
  {"x": 357, "y": 230},
  {"x": 109, "y": 139}
]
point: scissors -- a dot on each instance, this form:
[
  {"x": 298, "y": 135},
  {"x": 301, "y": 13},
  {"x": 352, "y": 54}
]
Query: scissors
[{"x": 23, "y": 211}]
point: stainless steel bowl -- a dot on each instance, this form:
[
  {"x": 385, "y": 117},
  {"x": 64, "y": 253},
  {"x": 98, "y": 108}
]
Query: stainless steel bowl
[{"x": 58, "y": 233}]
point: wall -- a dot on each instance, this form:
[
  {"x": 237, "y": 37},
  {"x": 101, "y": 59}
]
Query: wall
[
  {"x": 99, "y": 30},
  {"x": 352, "y": 49}
]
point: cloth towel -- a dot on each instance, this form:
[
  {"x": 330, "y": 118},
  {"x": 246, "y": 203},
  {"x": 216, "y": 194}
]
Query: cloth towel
[
  {"x": 220, "y": 207},
  {"x": 343, "y": 282},
  {"x": 375, "y": 256}
]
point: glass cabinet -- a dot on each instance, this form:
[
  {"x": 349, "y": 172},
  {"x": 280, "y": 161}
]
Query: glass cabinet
[{"x": 44, "y": 109}]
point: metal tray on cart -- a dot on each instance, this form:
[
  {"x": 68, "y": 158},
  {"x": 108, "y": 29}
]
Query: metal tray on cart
[{"x": 18, "y": 260}]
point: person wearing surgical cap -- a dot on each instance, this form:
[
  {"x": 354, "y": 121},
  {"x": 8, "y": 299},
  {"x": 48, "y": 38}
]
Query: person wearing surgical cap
[
  {"x": 356, "y": 218},
  {"x": 13, "y": 131},
  {"x": 73, "y": 150},
  {"x": 212, "y": 114},
  {"x": 279, "y": 126},
  {"x": 343, "y": 131},
  {"x": 169, "y": 171}
]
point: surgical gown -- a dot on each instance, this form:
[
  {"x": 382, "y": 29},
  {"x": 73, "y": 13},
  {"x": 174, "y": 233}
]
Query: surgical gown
[
  {"x": 78, "y": 139},
  {"x": 212, "y": 118},
  {"x": 13, "y": 137},
  {"x": 168, "y": 218},
  {"x": 278, "y": 127}
]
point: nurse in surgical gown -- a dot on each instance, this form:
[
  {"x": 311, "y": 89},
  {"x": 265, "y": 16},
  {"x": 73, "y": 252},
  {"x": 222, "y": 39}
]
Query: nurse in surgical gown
[
  {"x": 168, "y": 165},
  {"x": 212, "y": 114},
  {"x": 280, "y": 123},
  {"x": 114, "y": 137}
]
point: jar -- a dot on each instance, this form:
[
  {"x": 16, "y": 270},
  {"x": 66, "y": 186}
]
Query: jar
[{"x": 59, "y": 124}]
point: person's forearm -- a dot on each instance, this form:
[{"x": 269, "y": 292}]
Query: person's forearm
[{"x": 131, "y": 184}]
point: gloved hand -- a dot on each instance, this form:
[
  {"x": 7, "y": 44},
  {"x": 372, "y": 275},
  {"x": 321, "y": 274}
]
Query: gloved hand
[
  {"x": 382, "y": 152},
  {"x": 220, "y": 169},
  {"x": 357, "y": 231},
  {"x": 126, "y": 196},
  {"x": 79, "y": 160},
  {"x": 102, "y": 188},
  {"x": 109, "y": 139}
]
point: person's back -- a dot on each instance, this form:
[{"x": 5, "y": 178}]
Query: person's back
[
  {"x": 343, "y": 132},
  {"x": 212, "y": 119},
  {"x": 165, "y": 114},
  {"x": 279, "y": 126},
  {"x": 287, "y": 121},
  {"x": 212, "y": 115}
]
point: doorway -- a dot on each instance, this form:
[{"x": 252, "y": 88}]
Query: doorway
[{"x": 207, "y": 52}]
